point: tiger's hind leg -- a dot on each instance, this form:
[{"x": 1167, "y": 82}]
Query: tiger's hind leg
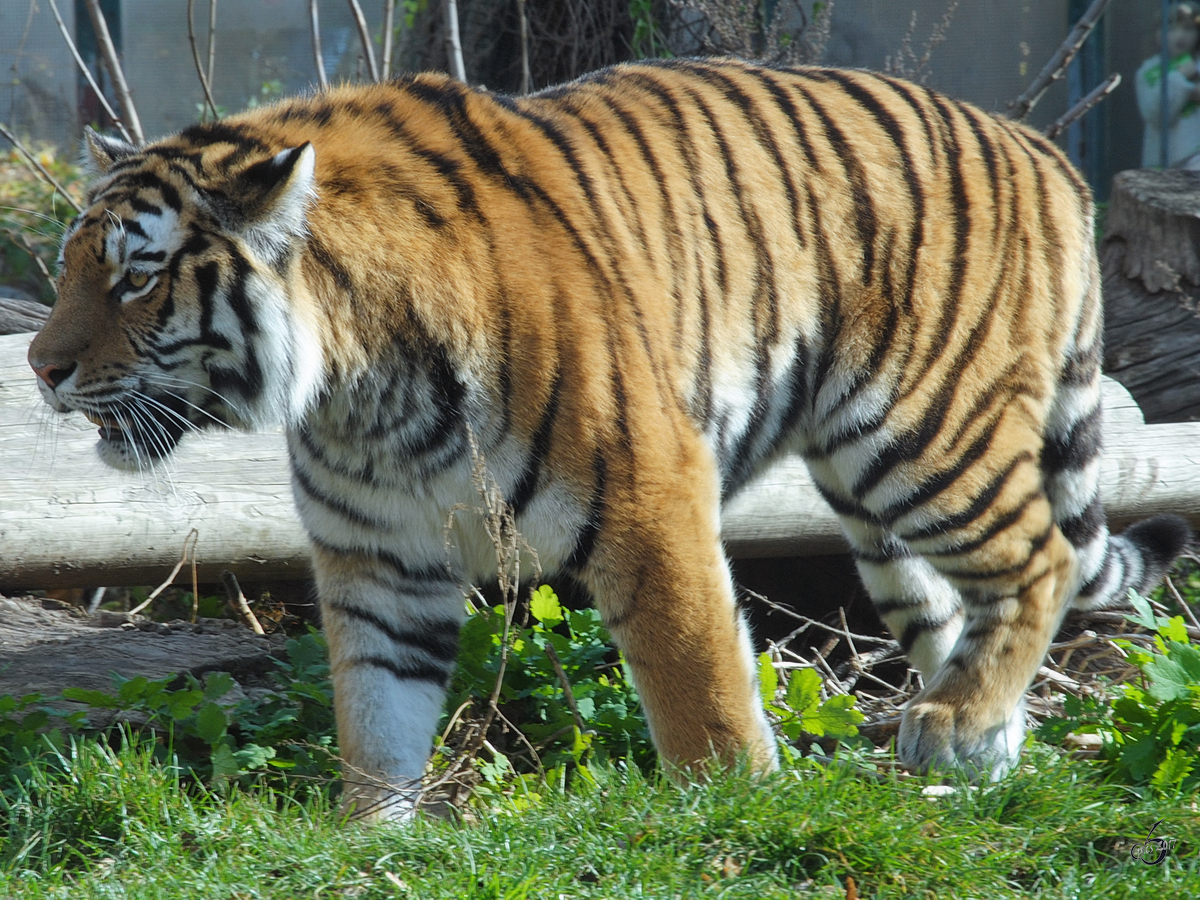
[{"x": 662, "y": 584}]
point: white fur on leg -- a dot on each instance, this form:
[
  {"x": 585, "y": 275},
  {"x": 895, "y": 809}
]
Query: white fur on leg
[{"x": 386, "y": 729}]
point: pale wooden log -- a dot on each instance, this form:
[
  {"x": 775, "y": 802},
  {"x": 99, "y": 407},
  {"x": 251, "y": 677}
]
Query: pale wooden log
[
  {"x": 68, "y": 520},
  {"x": 19, "y": 316}
]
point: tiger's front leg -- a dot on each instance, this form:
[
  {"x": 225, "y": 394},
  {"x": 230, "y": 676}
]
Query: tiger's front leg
[{"x": 393, "y": 639}]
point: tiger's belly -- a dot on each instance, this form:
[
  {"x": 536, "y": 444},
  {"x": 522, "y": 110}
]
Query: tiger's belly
[{"x": 442, "y": 510}]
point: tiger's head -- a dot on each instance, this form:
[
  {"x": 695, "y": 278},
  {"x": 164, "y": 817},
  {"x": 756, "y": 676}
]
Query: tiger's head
[{"x": 174, "y": 290}]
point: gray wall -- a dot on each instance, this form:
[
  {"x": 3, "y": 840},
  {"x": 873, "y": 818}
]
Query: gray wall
[{"x": 37, "y": 75}]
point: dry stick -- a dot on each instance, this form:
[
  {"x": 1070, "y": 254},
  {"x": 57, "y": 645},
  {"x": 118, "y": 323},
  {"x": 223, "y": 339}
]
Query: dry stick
[
  {"x": 526, "y": 76},
  {"x": 204, "y": 85},
  {"x": 233, "y": 591},
  {"x": 1183, "y": 604},
  {"x": 453, "y": 43},
  {"x": 364, "y": 35},
  {"x": 192, "y": 537},
  {"x": 318, "y": 57},
  {"x": 109, "y": 54},
  {"x": 1080, "y": 109},
  {"x": 566, "y": 686},
  {"x": 1053, "y": 70},
  {"x": 41, "y": 170},
  {"x": 195, "y": 586},
  {"x": 87, "y": 73},
  {"x": 212, "y": 38},
  {"x": 389, "y": 18}
]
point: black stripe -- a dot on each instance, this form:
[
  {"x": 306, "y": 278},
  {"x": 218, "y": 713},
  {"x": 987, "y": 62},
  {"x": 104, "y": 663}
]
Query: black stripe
[
  {"x": 435, "y": 674},
  {"x": 539, "y": 448},
  {"x": 438, "y": 640},
  {"x": 1075, "y": 450},
  {"x": 429, "y": 577},
  {"x": 1082, "y": 529},
  {"x": 327, "y": 261},
  {"x": 336, "y": 504},
  {"x": 931, "y": 488},
  {"x": 914, "y": 629},
  {"x": 585, "y": 543}
]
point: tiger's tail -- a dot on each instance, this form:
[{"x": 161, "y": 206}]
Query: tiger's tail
[{"x": 1109, "y": 564}]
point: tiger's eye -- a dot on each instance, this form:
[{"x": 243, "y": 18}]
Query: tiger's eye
[{"x": 138, "y": 279}]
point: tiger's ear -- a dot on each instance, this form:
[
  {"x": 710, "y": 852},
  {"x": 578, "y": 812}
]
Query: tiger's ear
[
  {"x": 276, "y": 191},
  {"x": 102, "y": 153}
]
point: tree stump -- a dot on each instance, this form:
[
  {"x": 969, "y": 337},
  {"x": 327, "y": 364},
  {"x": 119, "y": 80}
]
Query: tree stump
[{"x": 1150, "y": 258}]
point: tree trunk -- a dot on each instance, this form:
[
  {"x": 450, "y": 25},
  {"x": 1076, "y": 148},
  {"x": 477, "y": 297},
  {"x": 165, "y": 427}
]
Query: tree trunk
[{"x": 1150, "y": 258}]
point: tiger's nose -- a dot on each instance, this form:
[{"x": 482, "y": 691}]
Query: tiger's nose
[{"x": 53, "y": 374}]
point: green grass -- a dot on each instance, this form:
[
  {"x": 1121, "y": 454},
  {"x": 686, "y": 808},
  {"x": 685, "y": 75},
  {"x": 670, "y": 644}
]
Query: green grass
[{"x": 117, "y": 824}]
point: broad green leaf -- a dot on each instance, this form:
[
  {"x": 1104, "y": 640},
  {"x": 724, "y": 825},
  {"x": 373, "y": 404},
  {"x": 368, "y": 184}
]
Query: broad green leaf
[
  {"x": 97, "y": 699},
  {"x": 224, "y": 763},
  {"x": 211, "y": 724},
  {"x": 181, "y": 704},
  {"x": 804, "y": 691},
  {"x": 544, "y": 606},
  {"x": 217, "y": 684},
  {"x": 1141, "y": 757},
  {"x": 1174, "y": 630},
  {"x": 1188, "y": 656},
  {"x": 1143, "y": 614},
  {"x": 768, "y": 678},
  {"x": 1168, "y": 679},
  {"x": 835, "y": 717}
]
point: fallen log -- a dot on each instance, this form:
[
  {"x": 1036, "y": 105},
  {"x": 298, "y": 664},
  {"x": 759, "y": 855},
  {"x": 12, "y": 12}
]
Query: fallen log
[
  {"x": 66, "y": 520},
  {"x": 18, "y": 316}
]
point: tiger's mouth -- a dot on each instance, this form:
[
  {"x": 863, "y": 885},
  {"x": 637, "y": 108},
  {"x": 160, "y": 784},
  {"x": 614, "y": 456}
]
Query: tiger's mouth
[{"x": 146, "y": 430}]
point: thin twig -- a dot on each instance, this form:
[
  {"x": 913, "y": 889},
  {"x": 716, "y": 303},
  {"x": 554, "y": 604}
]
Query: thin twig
[
  {"x": 237, "y": 600},
  {"x": 453, "y": 44},
  {"x": 189, "y": 550},
  {"x": 37, "y": 260},
  {"x": 204, "y": 84},
  {"x": 389, "y": 19},
  {"x": 364, "y": 35},
  {"x": 1053, "y": 70},
  {"x": 212, "y": 39},
  {"x": 109, "y": 54},
  {"x": 41, "y": 170},
  {"x": 1183, "y": 604},
  {"x": 566, "y": 686},
  {"x": 1084, "y": 106},
  {"x": 526, "y": 77},
  {"x": 87, "y": 73},
  {"x": 318, "y": 57}
]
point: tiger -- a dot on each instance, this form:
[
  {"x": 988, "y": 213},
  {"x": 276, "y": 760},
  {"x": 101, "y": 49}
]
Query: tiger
[{"x": 627, "y": 295}]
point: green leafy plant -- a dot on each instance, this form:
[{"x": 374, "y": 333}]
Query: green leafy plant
[
  {"x": 563, "y": 686},
  {"x": 798, "y": 707},
  {"x": 1151, "y": 730}
]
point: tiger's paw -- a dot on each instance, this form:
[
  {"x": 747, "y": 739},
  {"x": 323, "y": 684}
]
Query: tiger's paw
[
  {"x": 939, "y": 735},
  {"x": 378, "y": 804}
]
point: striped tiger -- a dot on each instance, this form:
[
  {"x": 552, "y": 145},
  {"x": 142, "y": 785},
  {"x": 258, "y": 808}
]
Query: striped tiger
[{"x": 631, "y": 293}]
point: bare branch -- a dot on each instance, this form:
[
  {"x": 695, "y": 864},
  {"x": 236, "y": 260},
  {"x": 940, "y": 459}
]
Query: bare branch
[
  {"x": 237, "y": 600},
  {"x": 364, "y": 35},
  {"x": 204, "y": 83},
  {"x": 87, "y": 73},
  {"x": 389, "y": 23},
  {"x": 1082, "y": 108},
  {"x": 212, "y": 38},
  {"x": 41, "y": 170},
  {"x": 318, "y": 57},
  {"x": 1053, "y": 70},
  {"x": 453, "y": 43},
  {"x": 526, "y": 77},
  {"x": 109, "y": 54}
]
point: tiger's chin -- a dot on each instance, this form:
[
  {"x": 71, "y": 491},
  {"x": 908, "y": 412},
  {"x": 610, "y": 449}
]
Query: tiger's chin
[{"x": 133, "y": 445}]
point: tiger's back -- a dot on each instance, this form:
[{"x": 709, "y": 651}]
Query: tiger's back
[{"x": 628, "y": 294}]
